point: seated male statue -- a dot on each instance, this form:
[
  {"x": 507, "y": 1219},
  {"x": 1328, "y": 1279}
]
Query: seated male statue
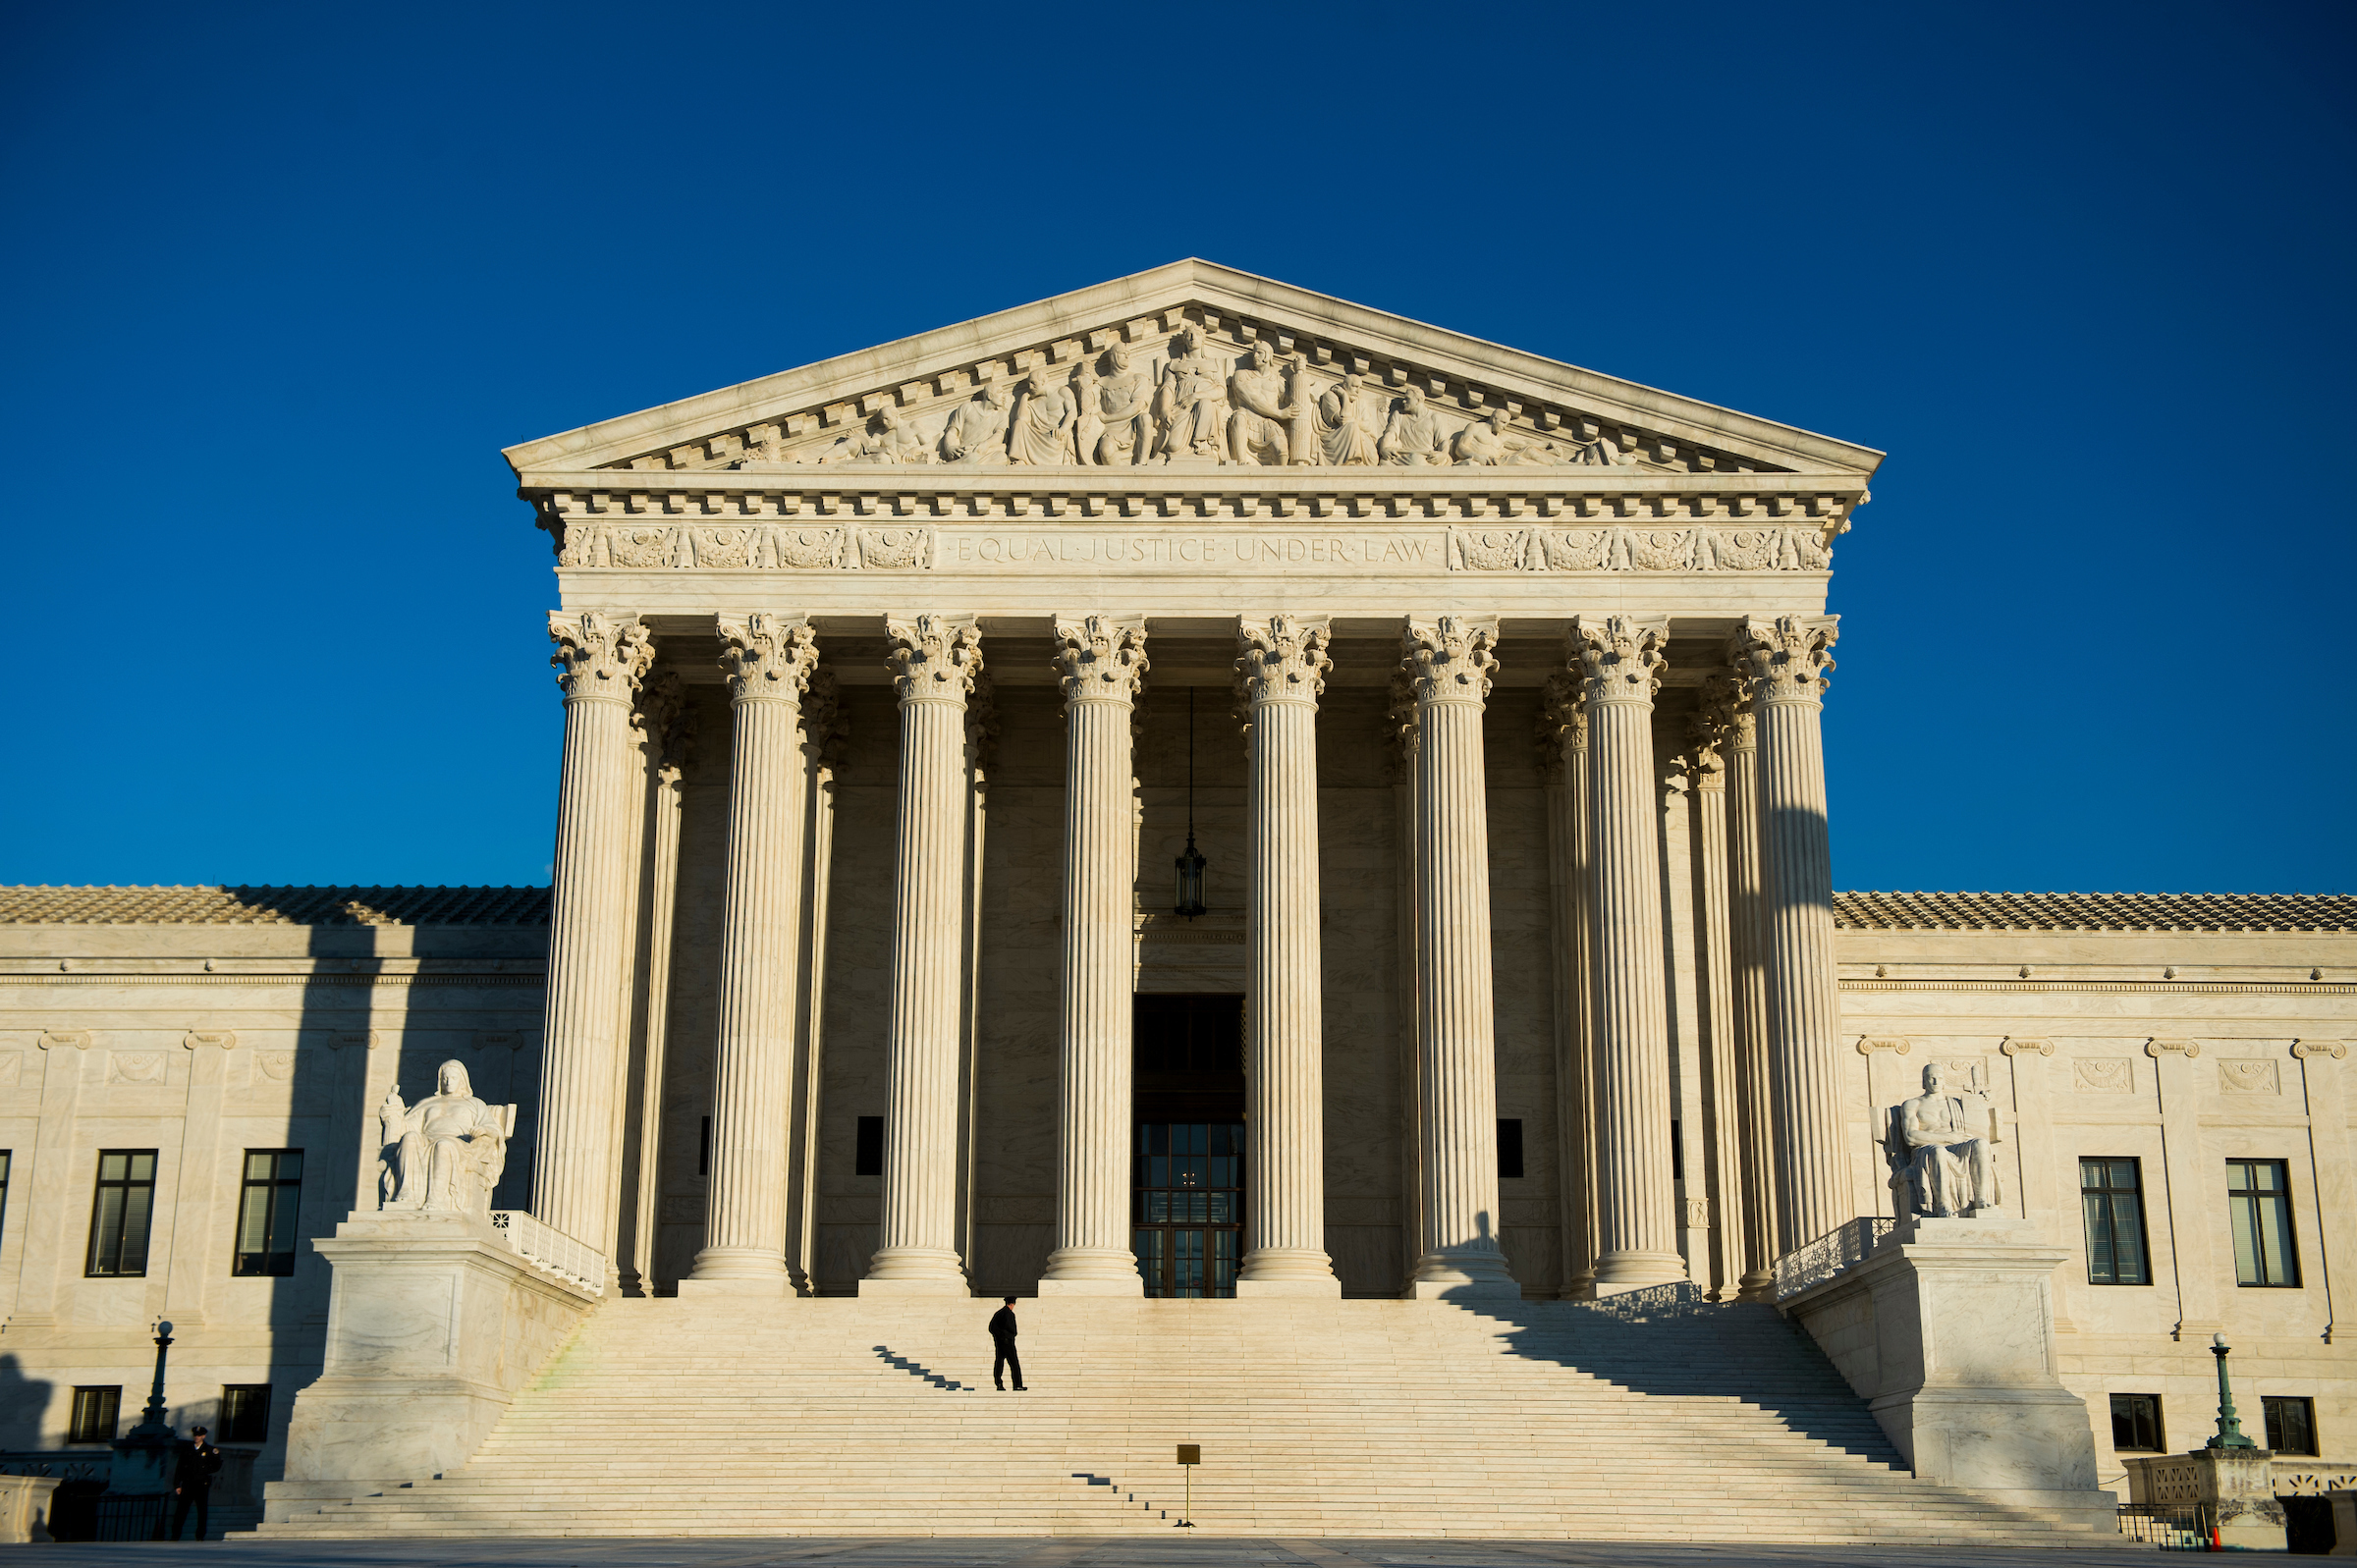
[
  {"x": 446, "y": 1152},
  {"x": 1946, "y": 1138}
]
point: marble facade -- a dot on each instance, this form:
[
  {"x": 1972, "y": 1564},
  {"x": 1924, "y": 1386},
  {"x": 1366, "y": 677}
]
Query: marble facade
[{"x": 1505, "y": 681}]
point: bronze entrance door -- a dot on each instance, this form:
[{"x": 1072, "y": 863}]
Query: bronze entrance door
[{"x": 1187, "y": 1183}]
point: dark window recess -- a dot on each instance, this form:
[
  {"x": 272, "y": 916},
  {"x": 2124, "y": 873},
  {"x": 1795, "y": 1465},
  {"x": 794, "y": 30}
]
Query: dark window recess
[
  {"x": 703, "y": 1150},
  {"x": 244, "y": 1413},
  {"x": 120, "y": 1213},
  {"x": 2290, "y": 1424},
  {"x": 267, "y": 1209},
  {"x": 2136, "y": 1423},
  {"x": 2111, "y": 1197},
  {"x": 868, "y": 1150},
  {"x": 2259, "y": 1201},
  {"x": 94, "y": 1412},
  {"x": 4, "y": 1165},
  {"x": 1510, "y": 1145},
  {"x": 1677, "y": 1155}
]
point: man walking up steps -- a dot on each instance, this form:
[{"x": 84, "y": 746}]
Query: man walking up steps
[{"x": 1002, "y": 1340}]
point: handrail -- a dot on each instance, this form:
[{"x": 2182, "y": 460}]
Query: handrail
[{"x": 553, "y": 1250}]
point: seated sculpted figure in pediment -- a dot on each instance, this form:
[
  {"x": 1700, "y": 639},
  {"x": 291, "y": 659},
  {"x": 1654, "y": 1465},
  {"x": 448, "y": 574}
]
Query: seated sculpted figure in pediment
[
  {"x": 884, "y": 439},
  {"x": 444, "y": 1153},
  {"x": 1486, "y": 443},
  {"x": 1412, "y": 437},
  {"x": 976, "y": 433},
  {"x": 1191, "y": 407},
  {"x": 1343, "y": 434}
]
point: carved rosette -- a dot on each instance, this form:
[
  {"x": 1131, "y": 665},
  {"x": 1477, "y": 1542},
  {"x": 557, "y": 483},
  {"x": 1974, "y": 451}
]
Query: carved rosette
[
  {"x": 768, "y": 657},
  {"x": 1451, "y": 657},
  {"x": 1784, "y": 658},
  {"x": 1282, "y": 659},
  {"x": 934, "y": 658},
  {"x": 1100, "y": 659},
  {"x": 599, "y": 657},
  {"x": 1620, "y": 657}
]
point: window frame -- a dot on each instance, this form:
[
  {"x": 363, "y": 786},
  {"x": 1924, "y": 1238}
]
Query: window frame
[
  {"x": 2271, "y": 1409},
  {"x": 2159, "y": 1425},
  {"x": 2255, "y": 1200},
  {"x": 2110, "y": 1196},
  {"x": 77, "y": 1430},
  {"x": 232, "y": 1415},
  {"x": 278, "y": 1189},
  {"x": 126, "y": 1184}
]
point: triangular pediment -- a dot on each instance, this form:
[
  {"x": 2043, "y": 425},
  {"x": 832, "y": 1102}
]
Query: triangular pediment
[{"x": 1056, "y": 382}]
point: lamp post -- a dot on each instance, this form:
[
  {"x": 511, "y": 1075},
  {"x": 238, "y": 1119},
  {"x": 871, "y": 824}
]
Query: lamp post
[
  {"x": 152, "y": 1419},
  {"x": 2229, "y": 1429},
  {"x": 1189, "y": 866}
]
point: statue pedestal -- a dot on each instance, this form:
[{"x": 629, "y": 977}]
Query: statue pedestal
[
  {"x": 433, "y": 1324},
  {"x": 2236, "y": 1484},
  {"x": 1948, "y": 1330}
]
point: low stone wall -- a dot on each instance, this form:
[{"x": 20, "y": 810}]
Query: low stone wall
[{"x": 25, "y": 1508}]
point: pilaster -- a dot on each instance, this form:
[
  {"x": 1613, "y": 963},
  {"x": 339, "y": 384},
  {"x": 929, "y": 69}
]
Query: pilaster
[{"x": 204, "y": 1183}]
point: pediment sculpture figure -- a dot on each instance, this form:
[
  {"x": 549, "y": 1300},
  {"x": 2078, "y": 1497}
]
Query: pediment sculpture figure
[
  {"x": 1486, "y": 443},
  {"x": 1123, "y": 404},
  {"x": 1040, "y": 435},
  {"x": 1943, "y": 1145},
  {"x": 1411, "y": 438},
  {"x": 445, "y": 1154},
  {"x": 884, "y": 439},
  {"x": 976, "y": 434},
  {"x": 1260, "y": 427},
  {"x": 1343, "y": 439},
  {"x": 1191, "y": 407}
]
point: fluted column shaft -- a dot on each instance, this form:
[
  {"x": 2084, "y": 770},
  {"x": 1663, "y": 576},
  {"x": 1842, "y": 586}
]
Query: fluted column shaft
[
  {"x": 1621, "y": 660},
  {"x": 667, "y": 727},
  {"x": 934, "y": 661},
  {"x": 601, "y": 660},
  {"x": 1451, "y": 662},
  {"x": 1099, "y": 662},
  {"x": 768, "y": 659},
  {"x": 1787, "y": 660},
  {"x": 1747, "y": 911},
  {"x": 1281, "y": 669},
  {"x": 1563, "y": 763},
  {"x": 1723, "y": 1099}
]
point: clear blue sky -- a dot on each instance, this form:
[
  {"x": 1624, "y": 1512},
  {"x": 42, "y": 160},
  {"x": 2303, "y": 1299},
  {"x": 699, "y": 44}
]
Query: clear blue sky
[{"x": 281, "y": 281}]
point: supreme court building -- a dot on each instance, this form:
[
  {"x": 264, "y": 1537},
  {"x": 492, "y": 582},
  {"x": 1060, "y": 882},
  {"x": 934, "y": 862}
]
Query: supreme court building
[{"x": 1197, "y": 789}]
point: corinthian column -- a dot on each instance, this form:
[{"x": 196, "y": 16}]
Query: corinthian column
[
  {"x": 934, "y": 661},
  {"x": 1281, "y": 668},
  {"x": 600, "y": 659},
  {"x": 768, "y": 659},
  {"x": 1621, "y": 660},
  {"x": 1451, "y": 664},
  {"x": 1746, "y": 942},
  {"x": 1563, "y": 765},
  {"x": 1723, "y": 1101},
  {"x": 1099, "y": 662},
  {"x": 1785, "y": 661}
]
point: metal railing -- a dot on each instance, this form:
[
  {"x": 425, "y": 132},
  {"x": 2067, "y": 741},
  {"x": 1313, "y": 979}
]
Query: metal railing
[
  {"x": 1837, "y": 1249},
  {"x": 2170, "y": 1526},
  {"x": 552, "y": 1250}
]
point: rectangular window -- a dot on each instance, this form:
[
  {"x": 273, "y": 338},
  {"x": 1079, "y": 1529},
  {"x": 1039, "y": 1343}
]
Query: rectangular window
[
  {"x": 95, "y": 1412},
  {"x": 1677, "y": 1155},
  {"x": 266, "y": 1213},
  {"x": 2136, "y": 1423},
  {"x": 703, "y": 1150},
  {"x": 1510, "y": 1147},
  {"x": 2290, "y": 1424},
  {"x": 4, "y": 1164},
  {"x": 867, "y": 1151},
  {"x": 119, "y": 1216},
  {"x": 2112, "y": 1195},
  {"x": 244, "y": 1413},
  {"x": 2259, "y": 1198}
]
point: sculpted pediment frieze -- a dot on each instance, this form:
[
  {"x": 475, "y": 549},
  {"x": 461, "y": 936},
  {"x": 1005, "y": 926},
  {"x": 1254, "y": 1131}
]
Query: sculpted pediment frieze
[{"x": 1190, "y": 367}]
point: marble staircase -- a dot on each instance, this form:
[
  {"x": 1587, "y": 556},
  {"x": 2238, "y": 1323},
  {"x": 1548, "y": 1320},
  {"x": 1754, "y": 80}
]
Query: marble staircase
[{"x": 1650, "y": 1417}]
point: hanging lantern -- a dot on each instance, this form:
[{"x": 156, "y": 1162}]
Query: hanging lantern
[{"x": 1190, "y": 878}]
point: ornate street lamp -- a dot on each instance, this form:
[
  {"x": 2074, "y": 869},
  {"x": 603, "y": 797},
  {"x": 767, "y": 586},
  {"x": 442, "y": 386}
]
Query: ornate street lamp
[
  {"x": 2229, "y": 1429},
  {"x": 1191, "y": 864}
]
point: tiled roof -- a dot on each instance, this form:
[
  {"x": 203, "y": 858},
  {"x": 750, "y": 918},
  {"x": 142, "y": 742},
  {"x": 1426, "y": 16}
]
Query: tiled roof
[
  {"x": 2095, "y": 911},
  {"x": 273, "y": 906}
]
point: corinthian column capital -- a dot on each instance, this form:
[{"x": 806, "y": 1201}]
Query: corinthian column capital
[
  {"x": 599, "y": 657},
  {"x": 1100, "y": 658},
  {"x": 1451, "y": 658},
  {"x": 1282, "y": 659},
  {"x": 1710, "y": 729},
  {"x": 1784, "y": 658},
  {"x": 1620, "y": 657},
  {"x": 934, "y": 658},
  {"x": 768, "y": 657},
  {"x": 1562, "y": 723}
]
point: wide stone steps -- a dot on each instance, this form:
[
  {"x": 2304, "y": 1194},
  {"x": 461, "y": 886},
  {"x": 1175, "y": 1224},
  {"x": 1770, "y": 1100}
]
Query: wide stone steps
[{"x": 1653, "y": 1418}]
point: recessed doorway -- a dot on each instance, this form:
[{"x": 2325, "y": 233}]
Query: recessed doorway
[{"x": 1188, "y": 1174}]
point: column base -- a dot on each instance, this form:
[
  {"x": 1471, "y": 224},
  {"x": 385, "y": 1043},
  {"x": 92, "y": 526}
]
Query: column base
[
  {"x": 872, "y": 1286},
  {"x": 1093, "y": 1272},
  {"x": 1329, "y": 1287},
  {"x": 1288, "y": 1271},
  {"x": 1632, "y": 1270},
  {"x": 914, "y": 1272},
  {"x": 1758, "y": 1285},
  {"x": 758, "y": 1289},
  {"x": 1461, "y": 1277}
]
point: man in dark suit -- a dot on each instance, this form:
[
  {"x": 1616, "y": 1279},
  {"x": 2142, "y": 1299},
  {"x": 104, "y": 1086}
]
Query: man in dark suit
[
  {"x": 1002, "y": 1339},
  {"x": 192, "y": 1482}
]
